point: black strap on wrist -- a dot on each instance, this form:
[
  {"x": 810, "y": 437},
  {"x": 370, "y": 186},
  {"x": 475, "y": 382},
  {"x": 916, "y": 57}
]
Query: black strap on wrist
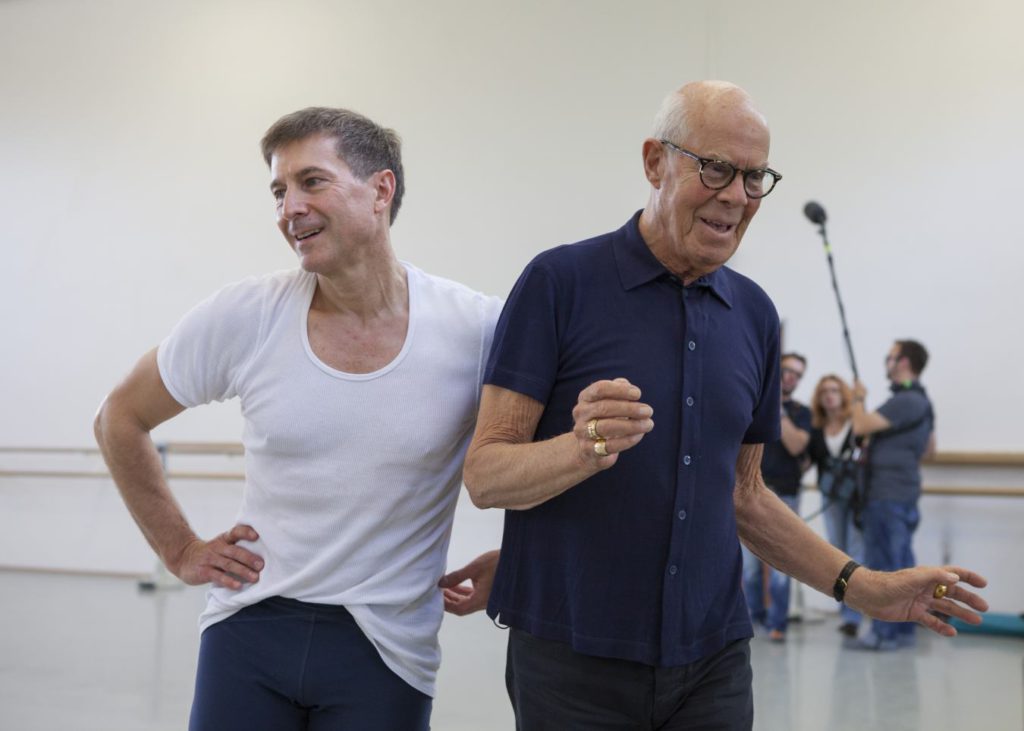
[{"x": 843, "y": 580}]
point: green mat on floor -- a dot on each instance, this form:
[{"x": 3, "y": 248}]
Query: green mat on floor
[{"x": 994, "y": 623}]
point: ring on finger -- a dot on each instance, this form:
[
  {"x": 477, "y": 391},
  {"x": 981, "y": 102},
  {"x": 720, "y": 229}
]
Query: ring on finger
[
  {"x": 600, "y": 447},
  {"x": 940, "y": 591},
  {"x": 592, "y": 430}
]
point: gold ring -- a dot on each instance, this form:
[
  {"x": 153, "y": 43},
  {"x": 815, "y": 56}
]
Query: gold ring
[
  {"x": 599, "y": 447},
  {"x": 940, "y": 591},
  {"x": 592, "y": 430}
]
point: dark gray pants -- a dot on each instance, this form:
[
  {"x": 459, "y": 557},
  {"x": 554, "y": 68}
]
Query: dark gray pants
[{"x": 554, "y": 687}]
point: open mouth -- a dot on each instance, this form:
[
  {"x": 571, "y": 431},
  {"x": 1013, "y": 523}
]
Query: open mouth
[
  {"x": 718, "y": 226},
  {"x": 307, "y": 234}
]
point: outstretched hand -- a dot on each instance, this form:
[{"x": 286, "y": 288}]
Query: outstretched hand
[
  {"x": 220, "y": 561},
  {"x": 462, "y": 600},
  {"x": 909, "y": 596}
]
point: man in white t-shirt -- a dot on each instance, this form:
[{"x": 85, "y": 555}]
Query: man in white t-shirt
[{"x": 358, "y": 377}]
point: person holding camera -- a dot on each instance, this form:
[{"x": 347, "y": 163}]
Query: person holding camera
[
  {"x": 902, "y": 432},
  {"x": 835, "y": 451}
]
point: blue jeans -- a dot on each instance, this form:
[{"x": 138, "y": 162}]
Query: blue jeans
[
  {"x": 889, "y": 527},
  {"x": 288, "y": 665},
  {"x": 774, "y": 616},
  {"x": 847, "y": 537}
]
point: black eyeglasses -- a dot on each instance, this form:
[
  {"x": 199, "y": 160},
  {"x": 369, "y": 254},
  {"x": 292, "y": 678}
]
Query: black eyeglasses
[{"x": 718, "y": 174}]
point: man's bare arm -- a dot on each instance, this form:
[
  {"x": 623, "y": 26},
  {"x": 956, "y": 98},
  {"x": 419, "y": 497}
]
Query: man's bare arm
[
  {"x": 865, "y": 422},
  {"x": 777, "y": 535},
  {"x": 122, "y": 427},
  {"x": 506, "y": 469},
  {"x": 794, "y": 439}
]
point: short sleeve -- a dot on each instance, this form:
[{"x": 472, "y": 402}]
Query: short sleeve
[
  {"x": 766, "y": 424},
  {"x": 524, "y": 355},
  {"x": 201, "y": 359},
  {"x": 904, "y": 409},
  {"x": 490, "y": 312}
]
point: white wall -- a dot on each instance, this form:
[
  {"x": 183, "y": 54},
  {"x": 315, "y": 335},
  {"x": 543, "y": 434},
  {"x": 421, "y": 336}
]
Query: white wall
[{"x": 131, "y": 185}]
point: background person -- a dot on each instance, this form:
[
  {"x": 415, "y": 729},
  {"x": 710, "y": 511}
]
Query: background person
[
  {"x": 902, "y": 434},
  {"x": 782, "y": 468},
  {"x": 832, "y": 439}
]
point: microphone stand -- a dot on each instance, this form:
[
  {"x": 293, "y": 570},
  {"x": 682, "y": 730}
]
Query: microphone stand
[{"x": 839, "y": 299}]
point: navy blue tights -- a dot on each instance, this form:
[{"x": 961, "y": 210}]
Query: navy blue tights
[{"x": 286, "y": 665}]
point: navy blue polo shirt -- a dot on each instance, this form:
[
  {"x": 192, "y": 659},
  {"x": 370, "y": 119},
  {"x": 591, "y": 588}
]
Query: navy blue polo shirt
[{"x": 640, "y": 561}]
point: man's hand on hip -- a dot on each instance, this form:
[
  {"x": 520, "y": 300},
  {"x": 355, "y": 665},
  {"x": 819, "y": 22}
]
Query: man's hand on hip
[{"x": 220, "y": 561}]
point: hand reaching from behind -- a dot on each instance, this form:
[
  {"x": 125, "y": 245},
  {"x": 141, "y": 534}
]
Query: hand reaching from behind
[{"x": 462, "y": 600}]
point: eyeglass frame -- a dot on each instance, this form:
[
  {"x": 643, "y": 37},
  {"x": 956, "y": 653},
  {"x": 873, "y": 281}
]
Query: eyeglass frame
[{"x": 702, "y": 161}]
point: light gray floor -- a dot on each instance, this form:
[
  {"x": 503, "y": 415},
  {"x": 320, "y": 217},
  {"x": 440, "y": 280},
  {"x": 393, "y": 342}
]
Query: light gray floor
[{"x": 82, "y": 653}]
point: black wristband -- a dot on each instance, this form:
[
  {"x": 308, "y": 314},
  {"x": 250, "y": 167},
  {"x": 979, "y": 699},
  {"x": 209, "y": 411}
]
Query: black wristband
[{"x": 843, "y": 580}]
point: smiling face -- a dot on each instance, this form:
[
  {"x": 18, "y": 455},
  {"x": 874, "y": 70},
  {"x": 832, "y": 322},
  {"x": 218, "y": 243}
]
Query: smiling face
[
  {"x": 328, "y": 216},
  {"x": 692, "y": 229}
]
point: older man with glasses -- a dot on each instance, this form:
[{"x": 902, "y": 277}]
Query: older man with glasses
[{"x": 632, "y": 383}]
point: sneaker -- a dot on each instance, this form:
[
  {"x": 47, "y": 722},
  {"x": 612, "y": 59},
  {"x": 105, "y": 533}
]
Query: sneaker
[
  {"x": 849, "y": 629},
  {"x": 777, "y": 635}
]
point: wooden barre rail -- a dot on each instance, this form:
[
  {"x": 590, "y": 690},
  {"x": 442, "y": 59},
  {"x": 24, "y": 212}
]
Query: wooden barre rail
[
  {"x": 230, "y": 449},
  {"x": 946, "y": 491},
  {"x": 977, "y": 459},
  {"x": 103, "y": 474},
  {"x": 966, "y": 459},
  {"x": 234, "y": 449}
]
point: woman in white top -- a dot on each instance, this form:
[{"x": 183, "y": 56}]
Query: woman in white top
[{"x": 832, "y": 440}]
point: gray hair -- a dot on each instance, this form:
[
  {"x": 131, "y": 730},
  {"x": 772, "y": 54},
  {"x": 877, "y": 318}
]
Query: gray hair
[
  {"x": 363, "y": 145},
  {"x": 672, "y": 120}
]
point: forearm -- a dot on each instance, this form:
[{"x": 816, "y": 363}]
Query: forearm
[
  {"x": 794, "y": 439},
  {"x": 519, "y": 476},
  {"x": 866, "y": 422},
  {"x": 505, "y": 468},
  {"x": 776, "y": 534},
  {"x": 138, "y": 473},
  {"x": 858, "y": 417}
]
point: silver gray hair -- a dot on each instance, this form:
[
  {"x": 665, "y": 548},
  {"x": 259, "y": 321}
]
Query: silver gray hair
[{"x": 672, "y": 121}]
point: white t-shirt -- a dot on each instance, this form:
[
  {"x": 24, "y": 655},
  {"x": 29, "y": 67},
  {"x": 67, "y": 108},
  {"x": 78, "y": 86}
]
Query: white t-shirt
[
  {"x": 351, "y": 480},
  {"x": 835, "y": 442}
]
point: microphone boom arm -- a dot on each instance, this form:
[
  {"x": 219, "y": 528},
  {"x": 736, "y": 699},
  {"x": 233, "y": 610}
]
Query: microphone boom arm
[{"x": 839, "y": 299}]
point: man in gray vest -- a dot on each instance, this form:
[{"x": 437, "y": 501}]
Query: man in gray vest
[{"x": 902, "y": 434}]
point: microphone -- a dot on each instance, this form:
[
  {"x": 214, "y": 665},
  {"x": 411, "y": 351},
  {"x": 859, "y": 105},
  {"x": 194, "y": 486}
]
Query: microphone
[{"x": 815, "y": 213}]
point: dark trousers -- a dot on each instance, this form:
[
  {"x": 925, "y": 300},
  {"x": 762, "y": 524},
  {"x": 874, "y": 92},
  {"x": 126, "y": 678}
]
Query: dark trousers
[
  {"x": 553, "y": 687},
  {"x": 286, "y": 665}
]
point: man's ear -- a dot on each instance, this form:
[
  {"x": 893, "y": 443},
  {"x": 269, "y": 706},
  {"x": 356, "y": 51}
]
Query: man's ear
[
  {"x": 654, "y": 161},
  {"x": 384, "y": 184}
]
